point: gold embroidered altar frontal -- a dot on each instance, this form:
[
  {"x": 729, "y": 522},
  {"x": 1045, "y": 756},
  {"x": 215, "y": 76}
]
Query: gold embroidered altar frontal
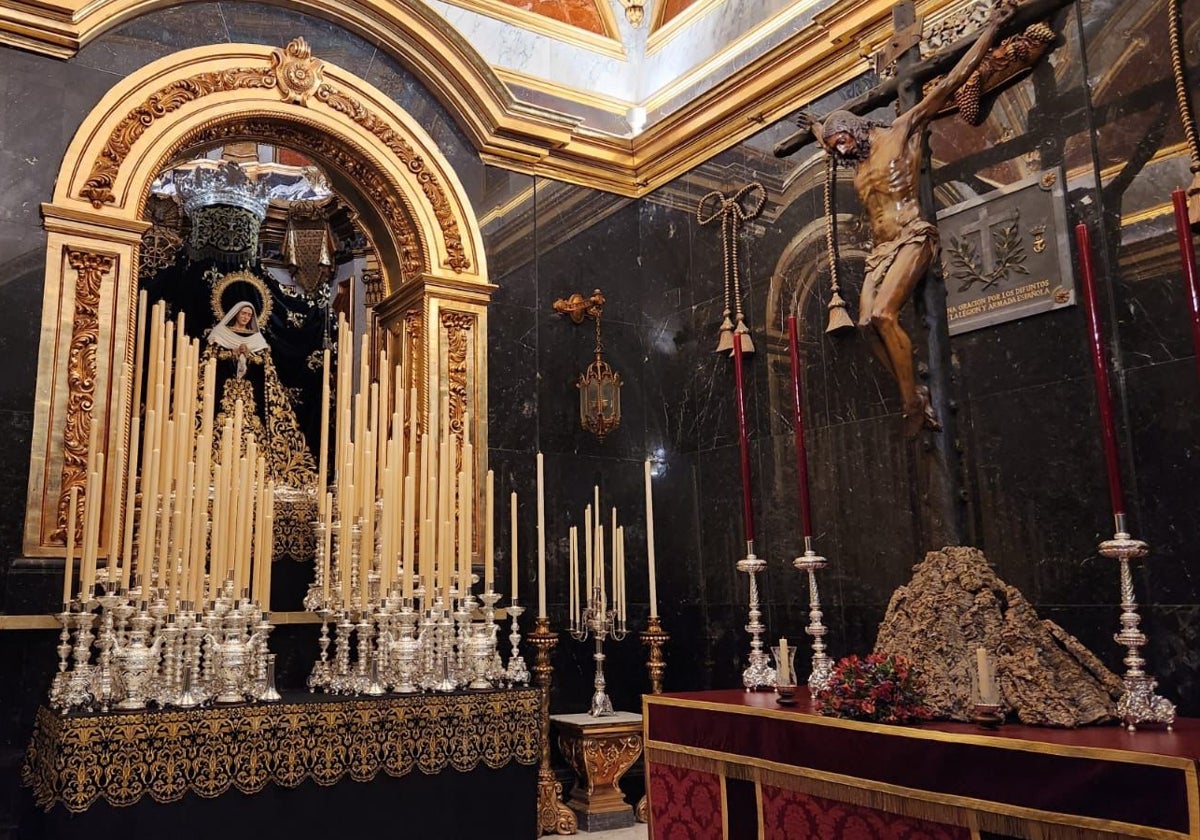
[{"x": 76, "y": 759}]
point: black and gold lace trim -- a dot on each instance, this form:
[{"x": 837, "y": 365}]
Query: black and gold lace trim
[{"x": 79, "y": 759}]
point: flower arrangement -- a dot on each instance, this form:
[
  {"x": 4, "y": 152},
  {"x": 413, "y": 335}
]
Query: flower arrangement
[{"x": 880, "y": 687}]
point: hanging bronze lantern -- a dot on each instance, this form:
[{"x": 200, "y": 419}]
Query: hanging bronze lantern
[{"x": 599, "y": 385}]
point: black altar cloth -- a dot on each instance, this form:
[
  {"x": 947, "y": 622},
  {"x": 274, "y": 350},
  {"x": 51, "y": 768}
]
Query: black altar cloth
[{"x": 247, "y": 771}]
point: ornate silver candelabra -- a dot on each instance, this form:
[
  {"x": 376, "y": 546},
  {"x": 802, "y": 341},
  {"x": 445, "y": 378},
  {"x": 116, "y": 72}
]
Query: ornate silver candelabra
[
  {"x": 822, "y": 665},
  {"x": 600, "y": 623},
  {"x": 1139, "y": 703},
  {"x": 759, "y": 673}
]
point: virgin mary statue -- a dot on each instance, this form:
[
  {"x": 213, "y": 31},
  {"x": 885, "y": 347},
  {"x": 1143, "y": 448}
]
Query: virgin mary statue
[{"x": 246, "y": 372}]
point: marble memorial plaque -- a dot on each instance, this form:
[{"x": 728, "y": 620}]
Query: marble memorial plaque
[{"x": 1006, "y": 255}]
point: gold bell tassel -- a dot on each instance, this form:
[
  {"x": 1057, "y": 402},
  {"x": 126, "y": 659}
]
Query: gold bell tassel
[
  {"x": 744, "y": 332},
  {"x": 725, "y": 338},
  {"x": 839, "y": 318},
  {"x": 1193, "y": 201}
]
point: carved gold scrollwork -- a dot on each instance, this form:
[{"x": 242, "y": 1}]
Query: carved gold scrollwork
[
  {"x": 171, "y": 97},
  {"x": 297, "y": 76},
  {"x": 297, "y": 73},
  {"x": 601, "y": 761},
  {"x": 373, "y": 284},
  {"x": 400, "y": 147},
  {"x": 458, "y": 327},
  {"x": 90, "y": 269},
  {"x": 414, "y": 365}
]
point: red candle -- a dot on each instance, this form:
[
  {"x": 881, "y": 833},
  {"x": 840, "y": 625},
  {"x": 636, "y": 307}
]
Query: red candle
[
  {"x": 798, "y": 429},
  {"x": 740, "y": 387},
  {"x": 1108, "y": 428},
  {"x": 1187, "y": 254}
]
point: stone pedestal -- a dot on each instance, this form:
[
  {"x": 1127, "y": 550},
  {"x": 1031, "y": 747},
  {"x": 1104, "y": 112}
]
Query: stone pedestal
[{"x": 600, "y": 749}]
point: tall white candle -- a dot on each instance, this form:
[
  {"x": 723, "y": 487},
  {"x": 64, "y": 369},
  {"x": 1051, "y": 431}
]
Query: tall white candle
[
  {"x": 784, "y": 675},
  {"x": 541, "y": 526},
  {"x": 589, "y": 548},
  {"x": 600, "y": 568},
  {"x": 573, "y": 576},
  {"x": 489, "y": 531},
  {"x": 650, "y": 544},
  {"x": 512, "y": 531},
  {"x": 69, "y": 563}
]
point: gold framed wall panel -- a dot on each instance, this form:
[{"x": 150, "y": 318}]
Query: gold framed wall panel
[
  {"x": 138, "y": 126},
  {"x": 56, "y": 454}
]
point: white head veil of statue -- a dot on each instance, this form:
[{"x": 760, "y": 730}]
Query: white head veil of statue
[{"x": 226, "y": 336}]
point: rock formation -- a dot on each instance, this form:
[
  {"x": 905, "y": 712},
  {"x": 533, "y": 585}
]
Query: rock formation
[{"x": 955, "y": 604}]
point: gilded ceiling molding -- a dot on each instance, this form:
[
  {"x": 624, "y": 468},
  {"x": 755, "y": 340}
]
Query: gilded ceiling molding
[{"x": 523, "y": 137}]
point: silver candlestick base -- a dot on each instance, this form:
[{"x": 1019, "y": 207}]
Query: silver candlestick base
[
  {"x": 517, "y": 672},
  {"x": 1139, "y": 703},
  {"x": 822, "y": 665},
  {"x": 759, "y": 674}
]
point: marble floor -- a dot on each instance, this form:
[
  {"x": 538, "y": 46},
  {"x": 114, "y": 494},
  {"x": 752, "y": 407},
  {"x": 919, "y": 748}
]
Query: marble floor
[{"x": 636, "y": 832}]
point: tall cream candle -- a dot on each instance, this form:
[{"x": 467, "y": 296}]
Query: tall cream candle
[
  {"x": 323, "y": 449},
  {"x": 130, "y": 503},
  {"x": 541, "y": 526},
  {"x": 512, "y": 535},
  {"x": 489, "y": 531},
  {"x": 410, "y": 528},
  {"x": 573, "y": 585},
  {"x": 69, "y": 562},
  {"x": 589, "y": 550},
  {"x": 615, "y": 538},
  {"x": 600, "y": 569},
  {"x": 650, "y": 543}
]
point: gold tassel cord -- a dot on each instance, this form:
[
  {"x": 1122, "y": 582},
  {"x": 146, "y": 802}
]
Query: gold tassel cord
[
  {"x": 1183, "y": 101},
  {"x": 839, "y": 318},
  {"x": 744, "y": 204}
]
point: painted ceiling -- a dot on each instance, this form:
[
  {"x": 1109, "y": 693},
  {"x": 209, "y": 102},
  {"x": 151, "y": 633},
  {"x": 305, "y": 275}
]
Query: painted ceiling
[{"x": 615, "y": 73}]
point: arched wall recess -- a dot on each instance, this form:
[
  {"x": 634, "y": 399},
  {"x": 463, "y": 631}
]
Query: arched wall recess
[{"x": 413, "y": 206}]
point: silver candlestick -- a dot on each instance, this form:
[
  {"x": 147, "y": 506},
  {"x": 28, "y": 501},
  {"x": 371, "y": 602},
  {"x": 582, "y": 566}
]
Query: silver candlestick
[
  {"x": 601, "y": 623},
  {"x": 822, "y": 665},
  {"x": 517, "y": 672},
  {"x": 759, "y": 674},
  {"x": 58, "y": 688},
  {"x": 1139, "y": 703}
]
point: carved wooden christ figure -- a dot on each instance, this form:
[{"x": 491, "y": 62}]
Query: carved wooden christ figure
[{"x": 887, "y": 163}]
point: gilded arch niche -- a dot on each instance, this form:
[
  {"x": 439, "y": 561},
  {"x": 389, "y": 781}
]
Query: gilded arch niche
[{"x": 414, "y": 210}]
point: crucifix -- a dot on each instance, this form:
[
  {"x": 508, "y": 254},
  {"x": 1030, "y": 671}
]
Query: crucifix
[{"x": 893, "y": 184}]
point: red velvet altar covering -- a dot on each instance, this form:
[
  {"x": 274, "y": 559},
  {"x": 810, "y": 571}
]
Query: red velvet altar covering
[{"x": 728, "y": 765}]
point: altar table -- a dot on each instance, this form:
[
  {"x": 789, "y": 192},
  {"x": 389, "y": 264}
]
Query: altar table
[
  {"x": 243, "y": 771},
  {"x": 733, "y": 764}
]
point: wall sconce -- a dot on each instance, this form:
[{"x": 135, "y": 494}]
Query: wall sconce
[
  {"x": 635, "y": 12},
  {"x": 599, "y": 385}
]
